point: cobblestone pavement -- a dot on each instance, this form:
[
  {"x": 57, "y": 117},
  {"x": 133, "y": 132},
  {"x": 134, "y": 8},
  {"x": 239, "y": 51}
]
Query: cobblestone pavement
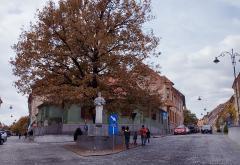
[{"x": 170, "y": 150}]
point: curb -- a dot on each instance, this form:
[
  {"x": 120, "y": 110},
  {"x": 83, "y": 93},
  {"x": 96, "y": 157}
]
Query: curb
[{"x": 98, "y": 155}]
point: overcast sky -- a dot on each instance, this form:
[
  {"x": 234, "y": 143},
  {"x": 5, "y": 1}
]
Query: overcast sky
[{"x": 192, "y": 33}]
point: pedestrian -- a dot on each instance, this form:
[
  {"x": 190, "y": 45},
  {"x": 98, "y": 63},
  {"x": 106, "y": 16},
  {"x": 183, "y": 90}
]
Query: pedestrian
[
  {"x": 127, "y": 137},
  {"x": 123, "y": 129},
  {"x": 143, "y": 134},
  {"x": 86, "y": 128},
  {"x": 25, "y": 134},
  {"x": 30, "y": 133},
  {"x": 19, "y": 135},
  {"x": 135, "y": 138},
  {"x": 148, "y": 135},
  {"x": 77, "y": 133}
]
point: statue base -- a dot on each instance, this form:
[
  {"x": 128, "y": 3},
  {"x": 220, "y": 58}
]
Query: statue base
[
  {"x": 98, "y": 130},
  {"x": 95, "y": 143},
  {"x": 98, "y": 138}
]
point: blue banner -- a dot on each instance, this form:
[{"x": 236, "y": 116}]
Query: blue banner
[{"x": 164, "y": 115}]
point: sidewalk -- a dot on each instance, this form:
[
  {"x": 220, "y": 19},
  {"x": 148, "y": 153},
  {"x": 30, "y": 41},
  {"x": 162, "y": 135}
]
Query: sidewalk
[
  {"x": 53, "y": 139},
  {"x": 69, "y": 138},
  {"x": 73, "y": 147},
  {"x": 160, "y": 136}
]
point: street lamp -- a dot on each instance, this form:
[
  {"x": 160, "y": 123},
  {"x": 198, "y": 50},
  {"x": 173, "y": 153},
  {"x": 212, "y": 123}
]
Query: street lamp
[
  {"x": 233, "y": 59},
  {"x": 1, "y": 101}
]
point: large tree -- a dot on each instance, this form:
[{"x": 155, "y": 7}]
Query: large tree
[{"x": 79, "y": 47}]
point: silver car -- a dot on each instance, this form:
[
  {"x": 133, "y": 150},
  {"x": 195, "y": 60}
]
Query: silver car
[{"x": 3, "y": 137}]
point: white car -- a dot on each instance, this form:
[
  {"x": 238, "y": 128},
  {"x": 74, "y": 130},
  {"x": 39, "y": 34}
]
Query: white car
[
  {"x": 3, "y": 137},
  {"x": 206, "y": 129}
]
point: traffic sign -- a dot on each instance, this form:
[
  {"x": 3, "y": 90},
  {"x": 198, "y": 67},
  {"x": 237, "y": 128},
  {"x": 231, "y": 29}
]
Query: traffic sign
[{"x": 113, "y": 124}]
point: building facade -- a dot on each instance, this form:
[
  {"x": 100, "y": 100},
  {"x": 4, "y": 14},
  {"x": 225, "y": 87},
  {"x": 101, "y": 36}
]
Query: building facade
[
  {"x": 173, "y": 103},
  {"x": 50, "y": 118},
  {"x": 236, "y": 88}
]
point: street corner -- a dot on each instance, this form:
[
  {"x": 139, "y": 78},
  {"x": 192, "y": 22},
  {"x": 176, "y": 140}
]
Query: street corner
[{"x": 88, "y": 153}]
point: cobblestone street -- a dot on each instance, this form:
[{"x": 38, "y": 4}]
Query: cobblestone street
[{"x": 182, "y": 150}]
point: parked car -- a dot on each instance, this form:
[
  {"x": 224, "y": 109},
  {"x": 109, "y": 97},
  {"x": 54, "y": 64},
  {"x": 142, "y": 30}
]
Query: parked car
[
  {"x": 206, "y": 129},
  {"x": 193, "y": 129},
  {"x": 181, "y": 130},
  {"x": 9, "y": 133},
  {"x": 3, "y": 137},
  {"x": 188, "y": 130}
]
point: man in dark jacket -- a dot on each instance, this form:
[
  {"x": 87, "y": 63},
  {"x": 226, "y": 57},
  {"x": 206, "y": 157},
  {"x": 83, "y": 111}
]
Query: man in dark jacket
[{"x": 127, "y": 137}]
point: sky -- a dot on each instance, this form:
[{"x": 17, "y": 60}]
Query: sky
[{"x": 191, "y": 33}]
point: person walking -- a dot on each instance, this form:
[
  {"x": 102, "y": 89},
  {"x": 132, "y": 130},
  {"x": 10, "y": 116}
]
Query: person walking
[
  {"x": 25, "y": 134},
  {"x": 77, "y": 133},
  {"x": 127, "y": 137},
  {"x": 86, "y": 127},
  {"x": 148, "y": 135},
  {"x": 135, "y": 138},
  {"x": 143, "y": 134}
]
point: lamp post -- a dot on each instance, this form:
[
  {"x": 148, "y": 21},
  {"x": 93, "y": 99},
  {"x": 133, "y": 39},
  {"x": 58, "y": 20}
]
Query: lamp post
[
  {"x": 199, "y": 98},
  {"x": 1, "y": 101},
  {"x": 233, "y": 59}
]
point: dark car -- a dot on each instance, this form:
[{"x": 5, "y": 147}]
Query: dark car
[{"x": 193, "y": 129}]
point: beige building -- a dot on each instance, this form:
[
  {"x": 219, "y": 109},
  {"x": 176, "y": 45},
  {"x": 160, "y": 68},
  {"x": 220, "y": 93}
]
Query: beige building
[
  {"x": 174, "y": 103},
  {"x": 33, "y": 103},
  {"x": 172, "y": 99}
]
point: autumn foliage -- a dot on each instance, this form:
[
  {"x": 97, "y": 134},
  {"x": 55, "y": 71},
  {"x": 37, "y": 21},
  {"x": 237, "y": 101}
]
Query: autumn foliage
[
  {"x": 76, "y": 47},
  {"x": 20, "y": 126}
]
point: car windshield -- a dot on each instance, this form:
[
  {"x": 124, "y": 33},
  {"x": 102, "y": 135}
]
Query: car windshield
[
  {"x": 206, "y": 126},
  {"x": 181, "y": 126}
]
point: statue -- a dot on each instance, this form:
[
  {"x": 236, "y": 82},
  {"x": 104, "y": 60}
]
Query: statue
[{"x": 99, "y": 102}]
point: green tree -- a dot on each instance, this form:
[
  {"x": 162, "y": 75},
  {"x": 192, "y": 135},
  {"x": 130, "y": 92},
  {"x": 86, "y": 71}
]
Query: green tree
[{"x": 189, "y": 118}]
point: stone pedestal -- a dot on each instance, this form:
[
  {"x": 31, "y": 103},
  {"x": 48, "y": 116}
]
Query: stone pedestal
[
  {"x": 98, "y": 138},
  {"x": 99, "y": 115},
  {"x": 98, "y": 130},
  {"x": 99, "y": 142}
]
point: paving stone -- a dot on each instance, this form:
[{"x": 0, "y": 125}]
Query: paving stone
[{"x": 194, "y": 149}]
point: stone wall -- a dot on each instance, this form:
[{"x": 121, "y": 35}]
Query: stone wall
[
  {"x": 234, "y": 134},
  {"x": 99, "y": 142},
  {"x": 69, "y": 129}
]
